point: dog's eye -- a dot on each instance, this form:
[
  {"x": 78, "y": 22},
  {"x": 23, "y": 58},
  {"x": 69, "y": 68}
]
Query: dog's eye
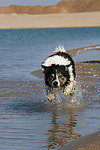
[
  {"x": 61, "y": 77},
  {"x": 52, "y": 76}
]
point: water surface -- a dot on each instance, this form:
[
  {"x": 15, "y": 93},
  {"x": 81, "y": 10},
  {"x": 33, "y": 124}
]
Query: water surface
[{"x": 27, "y": 120}]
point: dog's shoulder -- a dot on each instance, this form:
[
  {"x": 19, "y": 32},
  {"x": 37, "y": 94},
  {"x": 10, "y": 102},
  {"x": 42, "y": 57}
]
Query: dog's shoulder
[
  {"x": 59, "y": 57},
  {"x": 60, "y": 51}
]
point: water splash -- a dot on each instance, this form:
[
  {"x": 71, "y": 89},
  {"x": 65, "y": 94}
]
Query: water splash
[{"x": 61, "y": 99}]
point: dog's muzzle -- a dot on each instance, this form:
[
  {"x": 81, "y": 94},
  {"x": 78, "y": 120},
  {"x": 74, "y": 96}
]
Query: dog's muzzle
[{"x": 55, "y": 84}]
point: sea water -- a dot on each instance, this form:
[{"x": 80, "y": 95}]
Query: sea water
[
  {"x": 27, "y": 120},
  {"x": 23, "y": 50}
]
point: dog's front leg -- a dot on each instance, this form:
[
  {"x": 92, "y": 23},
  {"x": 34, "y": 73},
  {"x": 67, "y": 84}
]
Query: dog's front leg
[
  {"x": 51, "y": 95},
  {"x": 72, "y": 96},
  {"x": 69, "y": 88}
]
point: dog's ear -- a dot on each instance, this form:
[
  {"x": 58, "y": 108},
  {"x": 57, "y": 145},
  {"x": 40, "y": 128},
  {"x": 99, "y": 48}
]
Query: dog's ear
[
  {"x": 66, "y": 67},
  {"x": 46, "y": 69},
  {"x": 43, "y": 67}
]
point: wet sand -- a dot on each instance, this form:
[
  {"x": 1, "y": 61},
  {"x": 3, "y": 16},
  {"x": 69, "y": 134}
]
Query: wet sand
[
  {"x": 89, "y": 142},
  {"x": 15, "y": 21},
  {"x": 89, "y": 68}
]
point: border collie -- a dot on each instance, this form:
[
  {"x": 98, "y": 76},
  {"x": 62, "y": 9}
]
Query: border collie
[{"x": 59, "y": 73}]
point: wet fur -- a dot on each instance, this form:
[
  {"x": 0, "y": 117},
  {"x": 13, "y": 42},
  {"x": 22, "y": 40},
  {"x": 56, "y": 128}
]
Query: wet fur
[{"x": 59, "y": 74}]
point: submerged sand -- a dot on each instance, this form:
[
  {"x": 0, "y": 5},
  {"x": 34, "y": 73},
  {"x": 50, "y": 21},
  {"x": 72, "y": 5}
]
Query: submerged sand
[
  {"x": 16, "y": 21},
  {"x": 89, "y": 142}
]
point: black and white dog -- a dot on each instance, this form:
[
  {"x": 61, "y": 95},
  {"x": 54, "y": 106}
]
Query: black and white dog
[{"x": 59, "y": 72}]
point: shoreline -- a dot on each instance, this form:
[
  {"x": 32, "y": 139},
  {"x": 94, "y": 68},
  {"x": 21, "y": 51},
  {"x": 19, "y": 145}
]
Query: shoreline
[
  {"x": 25, "y": 21},
  {"x": 39, "y": 73},
  {"x": 88, "y": 142}
]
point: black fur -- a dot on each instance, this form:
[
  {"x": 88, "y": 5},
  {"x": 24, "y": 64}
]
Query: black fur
[
  {"x": 59, "y": 75},
  {"x": 52, "y": 70},
  {"x": 63, "y": 69},
  {"x": 60, "y": 69}
]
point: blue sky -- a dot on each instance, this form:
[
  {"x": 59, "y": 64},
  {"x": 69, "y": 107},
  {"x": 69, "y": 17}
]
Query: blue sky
[{"x": 28, "y": 2}]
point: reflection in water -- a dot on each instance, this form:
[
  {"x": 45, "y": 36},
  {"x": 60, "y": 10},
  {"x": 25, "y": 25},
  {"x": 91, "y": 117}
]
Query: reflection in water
[
  {"x": 25, "y": 115},
  {"x": 62, "y": 129}
]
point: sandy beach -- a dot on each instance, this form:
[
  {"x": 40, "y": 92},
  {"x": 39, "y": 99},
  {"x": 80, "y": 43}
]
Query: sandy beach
[{"x": 17, "y": 21}]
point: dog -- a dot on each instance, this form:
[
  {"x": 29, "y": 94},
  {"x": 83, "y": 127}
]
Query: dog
[{"x": 59, "y": 73}]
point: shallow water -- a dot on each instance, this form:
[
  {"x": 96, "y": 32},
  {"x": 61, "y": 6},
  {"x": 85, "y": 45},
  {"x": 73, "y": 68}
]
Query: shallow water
[{"x": 27, "y": 120}]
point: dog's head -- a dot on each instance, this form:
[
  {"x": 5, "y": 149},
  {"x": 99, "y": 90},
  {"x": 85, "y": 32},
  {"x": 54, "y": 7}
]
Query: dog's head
[
  {"x": 56, "y": 76},
  {"x": 59, "y": 70}
]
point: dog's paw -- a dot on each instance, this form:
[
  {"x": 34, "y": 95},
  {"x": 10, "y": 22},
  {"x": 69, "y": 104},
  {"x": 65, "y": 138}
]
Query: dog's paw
[
  {"x": 51, "y": 96},
  {"x": 68, "y": 89}
]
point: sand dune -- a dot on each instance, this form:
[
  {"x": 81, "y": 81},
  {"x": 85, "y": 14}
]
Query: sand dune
[
  {"x": 72, "y": 6},
  {"x": 73, "y": 13}
]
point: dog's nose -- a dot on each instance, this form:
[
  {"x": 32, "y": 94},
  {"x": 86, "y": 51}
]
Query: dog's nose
[{"x": 55, "y": 83}]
